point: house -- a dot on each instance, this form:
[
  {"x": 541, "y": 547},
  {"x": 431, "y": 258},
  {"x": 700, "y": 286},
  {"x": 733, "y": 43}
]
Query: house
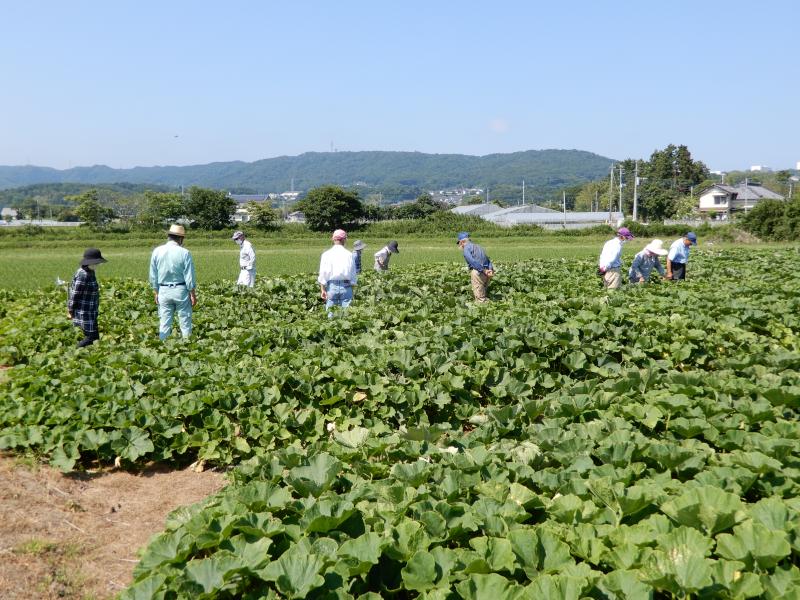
[
  {"x": 732, "y": 198},
  {"x": 8, "y": 214},
  {"x": 296, "y": 217},
  {"x": 476, "y": 210},
  {"x": 241, "y": 215},
  {"x": 245, "y": 198}
]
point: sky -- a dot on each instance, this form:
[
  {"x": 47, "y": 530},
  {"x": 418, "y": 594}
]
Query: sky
[{"x": 140, "y": 83}]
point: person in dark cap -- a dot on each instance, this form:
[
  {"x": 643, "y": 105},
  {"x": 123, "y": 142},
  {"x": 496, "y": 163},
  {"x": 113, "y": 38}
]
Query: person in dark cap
[
  {"x": 678, "y": 256},
  {"x": 383, "y": 255},
  {"x": 83, "y": 303},
  {"x": 247, "y": 260},
  {"x": 480, "y": 266},
  {"x": 357, "y": 248}
]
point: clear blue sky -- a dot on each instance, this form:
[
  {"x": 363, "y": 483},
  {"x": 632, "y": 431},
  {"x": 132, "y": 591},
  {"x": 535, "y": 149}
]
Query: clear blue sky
[{"x": 115, "y": 81}]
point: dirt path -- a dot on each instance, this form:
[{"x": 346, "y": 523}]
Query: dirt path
[{"x": 77, "y": 536}]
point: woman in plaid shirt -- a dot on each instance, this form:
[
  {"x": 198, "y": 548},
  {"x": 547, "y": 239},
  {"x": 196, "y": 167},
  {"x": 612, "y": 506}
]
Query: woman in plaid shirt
[{"x": 84, "y": 297}]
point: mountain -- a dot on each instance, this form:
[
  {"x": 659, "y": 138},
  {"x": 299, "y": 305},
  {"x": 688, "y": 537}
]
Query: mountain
[{"x": 544, "y": 169}]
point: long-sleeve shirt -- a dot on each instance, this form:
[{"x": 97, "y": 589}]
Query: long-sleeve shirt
[
  {"x": 678, "y": 252},
  {"x": 171, "y": 264},
  {"x": 643, "y": 264},
  {"x": 247, "y": 256},
  {"x": 337, "y": 264},
  {"x": 611, "y": 256},
  {"x": 84, "y": 299},
  {"x": 357, "y": 260},
  {"x": 382, "y": 257},
  {"x": 476, "y": 258}
]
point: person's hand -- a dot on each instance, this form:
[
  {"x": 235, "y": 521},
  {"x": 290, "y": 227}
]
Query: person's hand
[
  {"x": 489, "y": 272},
  {"x": 323, "y": 294},
  {"x": 156, "y": 297},
  {"x": 69, "y": 315},
  {"x": 641, "y": 279},
  {"x": 192, "y": 297},
  {"x": 603, "y": 269}
]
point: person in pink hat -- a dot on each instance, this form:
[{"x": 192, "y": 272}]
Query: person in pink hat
[
  {"x": 337, "y": 274},
  {"x": 610, "y": 261}
]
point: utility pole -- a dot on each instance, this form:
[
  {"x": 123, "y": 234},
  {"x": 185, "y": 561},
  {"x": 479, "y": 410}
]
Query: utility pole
[
  {"x": 564, "y": 206},
  {"x": 596, "y": 206},
  {"x": 620, "y": 188},
  {"x": 610, "y": 193},
  {"x": 636, "y": 192},
  {"x": 523, "y": 192}
]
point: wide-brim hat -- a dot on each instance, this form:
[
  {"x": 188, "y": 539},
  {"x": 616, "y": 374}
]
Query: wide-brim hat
[
  {"x": 393, "y": 247},
  {"x": 92, "y": 256},
  {"x": 237, "y": 234},
  {"x": 656, "y": 247},
  {"x": 177, "y": 230},
  {"x": 359, "y": 245}
]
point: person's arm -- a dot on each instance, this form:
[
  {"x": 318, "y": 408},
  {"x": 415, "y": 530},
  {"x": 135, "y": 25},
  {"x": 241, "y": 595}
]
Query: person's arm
[
  {"x": 154, "y": 275},
  {"x": 606, "y": 256},
  {"x": 188, "y": 277},
  {"x": 636, "y": 271},
  {"x": 248, "y": 257},
  {"x": 76, "y": 291},
  {"x": 660, "y": 268},
  {"x": 322, "y": 280}
]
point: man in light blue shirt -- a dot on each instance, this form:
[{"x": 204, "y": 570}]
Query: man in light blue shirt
[
  {"x": 678, "y": 256},
  {"x": 172, "y": 279}
]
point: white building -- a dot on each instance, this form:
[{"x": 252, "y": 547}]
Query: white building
[
  {"x": 532, "y": 214},
  {"x": 761, "y": 169},
  {"x": 729, "y": 198}
]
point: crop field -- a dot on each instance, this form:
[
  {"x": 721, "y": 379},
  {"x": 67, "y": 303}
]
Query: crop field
[
  {"x": 36, "y": 264},
  {"x": 558, "y": 442}
]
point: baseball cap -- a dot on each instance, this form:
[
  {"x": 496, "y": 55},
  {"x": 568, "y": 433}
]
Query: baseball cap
[
  {"x": 339, "y": 235},
  {"x": 625, "y": 232},
  {"x": 462, "y": 236},
  {"x": 237, "y": 235},
  {"x": 692, "y": 237}
]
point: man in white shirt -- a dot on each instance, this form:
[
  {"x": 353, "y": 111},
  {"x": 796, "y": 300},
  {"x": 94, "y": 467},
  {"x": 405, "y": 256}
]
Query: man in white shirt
[
  {"x": 383, "y": 255},
  {"x": 247, "y": 260},
  {"x": 610, "y": 260},
  {"x": 337, "y": 274}
]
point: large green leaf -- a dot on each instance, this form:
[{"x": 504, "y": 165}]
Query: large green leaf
[
  {"x": 295, "y": 573},
  {"x": 705, "y": 507},
  {"x": 752, "y": 543}
]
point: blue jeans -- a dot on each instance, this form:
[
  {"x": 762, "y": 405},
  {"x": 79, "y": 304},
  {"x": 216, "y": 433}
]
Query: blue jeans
[
  {"x": 339, "y": 294},
  {"x": 170, "y": 301}
]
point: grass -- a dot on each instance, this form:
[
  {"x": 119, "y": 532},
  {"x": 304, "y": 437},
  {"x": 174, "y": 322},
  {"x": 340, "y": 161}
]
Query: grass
[{"x": 39, "y": 262}]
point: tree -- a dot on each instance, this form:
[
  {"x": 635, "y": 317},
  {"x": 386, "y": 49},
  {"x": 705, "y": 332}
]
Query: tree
[
  {"x": 262, "y": 215},
  {"x": 330, "y": 207},
  {"x": 163, "y": 207},
  {"x": 89, "y": 209},
  {"x": 209, "y": 209},
  {"x": 423, "y": 206}
]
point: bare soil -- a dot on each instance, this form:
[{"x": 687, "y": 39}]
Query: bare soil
[{"x": 76, "y": 536}]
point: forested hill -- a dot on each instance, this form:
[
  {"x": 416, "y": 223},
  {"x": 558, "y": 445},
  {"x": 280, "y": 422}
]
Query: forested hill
[{"x": 543, "y": 169}]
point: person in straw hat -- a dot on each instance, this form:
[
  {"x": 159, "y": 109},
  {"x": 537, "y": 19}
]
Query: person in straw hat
[
  {"x": 358, "y": 247},
  {"x": 83, "y": 303},
  {"x": 172, "y": 280},
  {"x": 337, "y": 274},
  {"x": 247, "y": 260},
  {"x": 647, "y": 260}
]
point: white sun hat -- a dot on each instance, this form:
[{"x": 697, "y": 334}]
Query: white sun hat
[{"x": 656, "y": 247}]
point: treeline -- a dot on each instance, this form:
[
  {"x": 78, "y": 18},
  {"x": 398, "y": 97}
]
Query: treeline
[{"x": 774, "y": 220}]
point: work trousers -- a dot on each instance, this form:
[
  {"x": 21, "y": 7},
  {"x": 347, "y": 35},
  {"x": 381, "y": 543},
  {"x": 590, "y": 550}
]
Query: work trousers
[
  {"x": 480, "y": 285},
  {"x": 170, "y": 301},
  {"x": 612, "y": 278}
]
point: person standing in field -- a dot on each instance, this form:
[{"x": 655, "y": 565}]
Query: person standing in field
[
  {"x": 480, "y": 266},
  {"x": 610, "y": 261},
  {"x": 678, "y": 256},
  {"x": 83, "y": 303},
  {"x": 247, "y": 260},
  {"x": 357, "y": 248},
  {"x": 337, "y": 274},
  {"x": 647, "y": 260},
  {"x": 172, "y": 280},
  {"x": 383, "y": 255}
]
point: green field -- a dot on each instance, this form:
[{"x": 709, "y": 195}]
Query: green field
[
  {"x": 558, "y": 442},
  {"x": 39, "y": 262}
]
